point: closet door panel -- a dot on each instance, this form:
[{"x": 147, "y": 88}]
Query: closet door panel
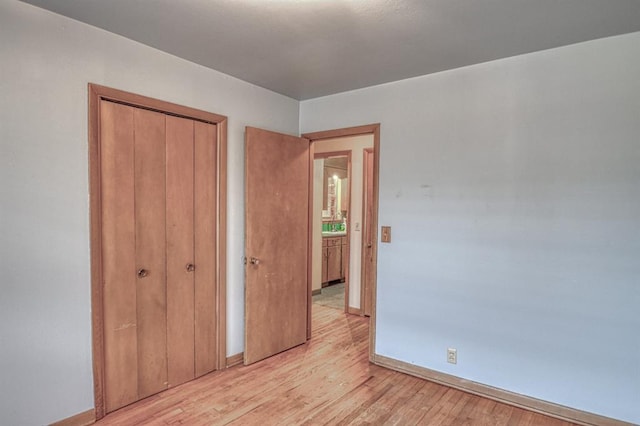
[
  {"x": 118, "y": 255},
  {"x": 205, "y": 242},
  {"x": 180, "y": 251},
  {"x": 150, "y": 251}
]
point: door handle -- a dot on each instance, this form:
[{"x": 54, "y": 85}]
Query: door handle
[
  {"x": 142, "y": 273},
  {"x": 254, "y": 260},
  {"x": 191, "y": 267}
]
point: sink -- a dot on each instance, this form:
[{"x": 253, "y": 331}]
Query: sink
[{"x": 334, "y": 233}]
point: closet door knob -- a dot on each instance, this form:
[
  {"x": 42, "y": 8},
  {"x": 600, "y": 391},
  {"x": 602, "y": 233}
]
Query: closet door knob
[
  {"x": 142, "y": 273},
  {"x": 191, "y": 267},
  {"x": 254, "y": 261}
]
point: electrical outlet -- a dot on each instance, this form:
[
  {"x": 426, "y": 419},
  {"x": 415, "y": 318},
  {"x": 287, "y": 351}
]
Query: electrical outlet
[{"x": 452, "y": 356}]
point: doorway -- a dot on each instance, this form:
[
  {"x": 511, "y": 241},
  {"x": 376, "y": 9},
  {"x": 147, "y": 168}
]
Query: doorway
[
  {"x": 364, "y": 157},
  {"x": 339, "y": 165},
  {"x": 332, "y": 209}
]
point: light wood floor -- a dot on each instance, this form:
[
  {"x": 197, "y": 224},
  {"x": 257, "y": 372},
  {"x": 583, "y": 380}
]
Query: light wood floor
[{"x": 326, "y": 381}]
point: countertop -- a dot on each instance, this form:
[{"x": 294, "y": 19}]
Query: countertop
[{"x": 334, "y": 234}]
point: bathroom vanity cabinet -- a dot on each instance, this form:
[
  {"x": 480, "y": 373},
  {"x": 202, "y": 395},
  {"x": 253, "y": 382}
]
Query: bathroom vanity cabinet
[{"x": 334, "y": 250}]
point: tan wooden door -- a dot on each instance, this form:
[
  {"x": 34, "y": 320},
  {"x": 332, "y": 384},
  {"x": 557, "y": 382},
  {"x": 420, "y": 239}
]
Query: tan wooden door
[
  {"x": 276, "y": 243},
  {"x": 158, "y": 247}
]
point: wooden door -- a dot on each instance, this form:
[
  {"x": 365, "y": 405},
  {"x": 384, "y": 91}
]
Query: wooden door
[
  {"x": 368, "y": 232},
  {"x": 277, "y": 242}
]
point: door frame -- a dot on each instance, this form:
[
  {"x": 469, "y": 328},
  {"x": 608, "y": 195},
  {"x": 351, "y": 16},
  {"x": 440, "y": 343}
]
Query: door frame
[
  {"x": 325, "y": 155},
  {"x": 98, "y": 93},
  {"x": 367, "y": 181},
  {"x": 368, "y": 129}
]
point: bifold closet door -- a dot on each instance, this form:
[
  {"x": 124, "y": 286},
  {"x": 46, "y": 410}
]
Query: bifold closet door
[
  {"x": 206, "y": 237},
  {"x": 133, "y": 250},
  {"x": 150, "y": 220},
  {"x": 180, "y": 250},
  {"x": 191, "y": 236},
  {"x": 159, "y": 203}
]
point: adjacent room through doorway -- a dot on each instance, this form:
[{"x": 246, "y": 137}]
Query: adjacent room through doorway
[{"x": 339, "y": 222}]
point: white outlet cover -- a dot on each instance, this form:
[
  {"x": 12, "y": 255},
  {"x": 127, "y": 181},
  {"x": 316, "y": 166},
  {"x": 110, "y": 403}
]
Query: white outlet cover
[{"x": 452, "y": 356}]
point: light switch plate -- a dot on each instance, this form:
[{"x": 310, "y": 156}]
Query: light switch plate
[{"x": 386, "y": 234}]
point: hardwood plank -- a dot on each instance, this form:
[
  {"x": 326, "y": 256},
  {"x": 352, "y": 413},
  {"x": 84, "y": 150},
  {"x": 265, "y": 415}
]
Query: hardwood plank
[
  {"x": 327, "y": 381},
  {"x": 151, "y": 250},
  {"x": 180, "y": 250},
  {"x": 501, "y": 414},
  {"x": 206, "y": 351},
  {"x": 415, "y": 408},
  {"x": 469, "y": 405},
  {"x": 307, "y": 390},
  {"x": 118, "y": 255}
]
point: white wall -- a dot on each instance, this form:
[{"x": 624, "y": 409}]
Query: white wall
[
  {"x": 355, "y": 144},
  {"x": 513, "y": 190},
  {"x": 46, "y": 62}
]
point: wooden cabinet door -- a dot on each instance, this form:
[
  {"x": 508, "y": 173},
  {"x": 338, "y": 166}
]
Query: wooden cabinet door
[
  {"x": 334, "y": 262},
  {"x": 325, "y": 264},
  {"x": 277, "y": 242}
]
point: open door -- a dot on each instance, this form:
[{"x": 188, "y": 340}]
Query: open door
[{"x": 277, "y": 242}]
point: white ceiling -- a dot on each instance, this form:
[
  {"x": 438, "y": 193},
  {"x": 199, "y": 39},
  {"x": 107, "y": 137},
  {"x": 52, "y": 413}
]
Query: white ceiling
[{"x": 310, "y": 48}]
